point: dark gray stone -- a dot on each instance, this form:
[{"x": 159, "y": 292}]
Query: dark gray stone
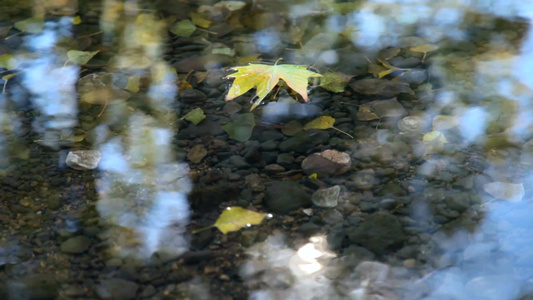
[
  {"x": 327, "y": 197},
  {"x": 379, "y": 232},
  {"x": 269, "y": 145},
  {"x": 414, "y": 77},
  {"x": 192, "y": 96},
  {"x": 285, "y": 160},
  {"x": 208, "y": 127},
  {"x": 285, "y": 196},
  {"x": 238, "y": 162},
  {"x": 76, "y": 245},
  {"x": 304, "y": 141}
]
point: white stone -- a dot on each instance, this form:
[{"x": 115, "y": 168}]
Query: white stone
[{"x": 83, "y": 159}]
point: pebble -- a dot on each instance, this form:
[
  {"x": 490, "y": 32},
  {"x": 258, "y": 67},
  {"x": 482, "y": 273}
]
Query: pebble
[
  {"x": 378, "y": 232},
  {"x": 76, "y": 245},
  {"x": 274, "y": 169},
  {"x": 285, "y": 196},
  {"x": 83, "y": 159},
  {"x": 327, "y": 197},
  {"x": 238, "y": 162}
]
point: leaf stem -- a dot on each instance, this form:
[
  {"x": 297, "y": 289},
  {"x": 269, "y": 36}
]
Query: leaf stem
[
  {"x": 202, "y": 229},
  {"x": 343, "y": 132}
]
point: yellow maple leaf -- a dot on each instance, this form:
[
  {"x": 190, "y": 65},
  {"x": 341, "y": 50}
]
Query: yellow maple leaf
[
  {"x": 265, "y": 77},
  {"x": 235, "y": 218}
]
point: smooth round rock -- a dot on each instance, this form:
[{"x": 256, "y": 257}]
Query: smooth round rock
[
  {"x": 285, "y": 196},
  {"x": 76, "y": 245}
]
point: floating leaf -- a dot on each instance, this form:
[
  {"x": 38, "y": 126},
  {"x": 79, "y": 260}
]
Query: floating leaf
[
  {"x": 334, "y": 81},
  {"x": 31, "y": 25},
  {"x": 235, "y": 218},
  {"x": 241, "y": 129},
  {"x": 323, "y": 122},
  {"x": 424, "y": 48},
  {"x": 183, "y": 28},
  {"x": 200, "y": 20},
  {"x": 195, "y": 116},
  {"x": 81, "y": 57},
  {"x": 133, "y": 84},
  {"x": 76, "y": 20},
  {"x": 265, "y": 77}
]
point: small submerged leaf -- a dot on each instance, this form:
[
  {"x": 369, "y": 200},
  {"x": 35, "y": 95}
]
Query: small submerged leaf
[
  {"x": 424, "y": 48},
  {"x": 133, "y": 84},
  {"x": 76, "y": 20},
  {"x": 241, "y": 129},
  {"x": 200, "y": 20},
  {"x": 81, "y": 57},
  {"x": 434, "y": 136},
  {"x": 195, "y": 116},
  {"x": 292, "y": 128},
  {"x": 323, "y": 122},
  {"x": 235, "y": 218},
  {"x": 183, "y": 28},
  {"x": 31, "y": 25},
  {"x": 334, "y": 81}
]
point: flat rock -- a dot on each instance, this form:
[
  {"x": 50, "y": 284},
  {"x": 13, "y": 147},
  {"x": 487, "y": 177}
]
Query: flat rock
[
  {"x": 83, "y": 159},
  {"x": 327, "y": 197},
  {"x": 76, "y": 245},
  {"x": 285, "y": 196},
  {"x": 374, "y": 110},
  {"x": 380, "y": 87},
  {"x": 326, "y": 163}
]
